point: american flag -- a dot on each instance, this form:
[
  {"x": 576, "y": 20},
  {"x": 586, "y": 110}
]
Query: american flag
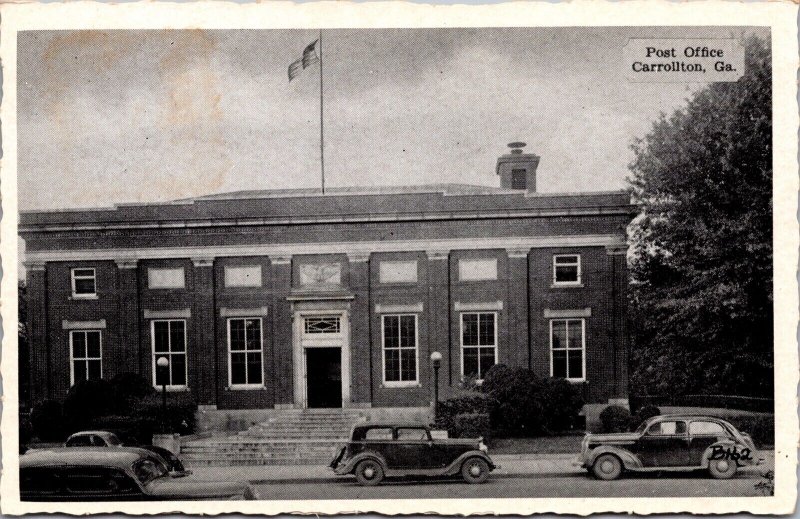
[{"x": 309, "y": 58}]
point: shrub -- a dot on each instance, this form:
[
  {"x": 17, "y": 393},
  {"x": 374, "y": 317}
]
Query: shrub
[
  {"x": 644, "y": 413},
  {"x": 526, "y": 405},
  {"x": 127, "y": 389},
  {"x": 25, "y": 429},
  {"x": 468, "y": 402},
  {"x": 179, "y": 418},
  {"x": 85, "y": 401},
  {"x": 47, "y": 420},
  {"x": 615, "y": 418},
  {"x": 760, "y": 427},
  {"x": 471, "y": 425},
  {"x": 561, "y": 402},
  {"x": 517, "y": 408}
]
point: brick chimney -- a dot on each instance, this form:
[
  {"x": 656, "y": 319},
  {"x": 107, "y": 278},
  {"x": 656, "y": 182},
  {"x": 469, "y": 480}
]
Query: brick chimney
[{"x": 517, "y": 170}]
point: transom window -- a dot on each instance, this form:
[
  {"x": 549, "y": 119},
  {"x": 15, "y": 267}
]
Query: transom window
[
  {"x": 478, "y": 343},
  {"x": 84, "y": 283},
  {"x": 566, "y": 269},
  {"x": 86, "y": 353},
  {"x": 245, "y": 352},
  {"x": 169, "y": 340},
  {"x": 567, "y": 348},
  {"x": 323, "y": 324},
  {"x": 400, "y": 349}
]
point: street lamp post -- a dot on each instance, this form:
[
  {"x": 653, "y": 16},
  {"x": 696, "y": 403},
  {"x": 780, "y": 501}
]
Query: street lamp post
[
  {"x": 162, "y": 364},
  {"x": 436, "y": 361}
]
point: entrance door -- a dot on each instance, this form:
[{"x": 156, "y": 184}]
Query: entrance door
[{"x": 324, "y": 377}]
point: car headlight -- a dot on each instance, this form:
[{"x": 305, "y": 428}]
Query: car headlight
[{"x": 483, "y": 448}]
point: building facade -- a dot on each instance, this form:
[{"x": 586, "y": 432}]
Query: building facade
[{"x": 294, "y": 299}]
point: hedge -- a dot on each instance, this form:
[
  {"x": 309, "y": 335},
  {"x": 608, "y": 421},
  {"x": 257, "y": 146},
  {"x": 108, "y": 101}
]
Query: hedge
[
  {"x": 469, "y": 402},
  {"x": 471, "y": 425}
]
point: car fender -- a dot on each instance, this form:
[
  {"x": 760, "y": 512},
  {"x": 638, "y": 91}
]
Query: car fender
[
  {"x": 629, "y": 460},
  {"x": 351, "y": 463},
  {"x": 727, "y": 444},
  {"x": 455, "y": 466}
]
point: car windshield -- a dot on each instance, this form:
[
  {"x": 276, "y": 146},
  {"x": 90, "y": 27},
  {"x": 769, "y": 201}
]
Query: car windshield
[
  {"x": 643, "y": 426},
  {"x": 148, "y": 469}
]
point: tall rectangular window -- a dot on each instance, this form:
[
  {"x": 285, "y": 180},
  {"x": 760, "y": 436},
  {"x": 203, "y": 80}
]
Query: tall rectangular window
[
  {"x": 478, "y": 343},
  {"x": 567, "y": 345},
  {"x": 400, "y": 349},
  {"x": 245, "y": 353},
  {"x": 84, "y": 283},
  {"x": 86, "y": 355},
  {"x": 566, "y": 269},
  {"x": 169, "y": 341}
]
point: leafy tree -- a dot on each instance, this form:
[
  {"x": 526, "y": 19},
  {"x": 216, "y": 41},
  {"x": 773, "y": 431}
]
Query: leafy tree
[
  {"x": 23, "y": 350},
  {"x": 701, "y": 298}
]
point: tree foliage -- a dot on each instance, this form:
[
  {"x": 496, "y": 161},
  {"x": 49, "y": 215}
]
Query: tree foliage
[{"x": 701, "y": 298}]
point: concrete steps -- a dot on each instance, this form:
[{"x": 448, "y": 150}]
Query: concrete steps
[{"x": 291, "y": 437}]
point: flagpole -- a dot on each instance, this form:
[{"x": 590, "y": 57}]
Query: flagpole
[{"x": 321, "y": 118}]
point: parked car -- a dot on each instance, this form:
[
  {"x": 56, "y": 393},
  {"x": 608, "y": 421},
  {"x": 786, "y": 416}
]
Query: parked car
[
  {"x": 670, "y": 443},
  {"x": 93, "y": 439},
  {"x": 118, "y": 474},
  {"x": 109, "y": 439},
  {"x": 377, "y": 450}
]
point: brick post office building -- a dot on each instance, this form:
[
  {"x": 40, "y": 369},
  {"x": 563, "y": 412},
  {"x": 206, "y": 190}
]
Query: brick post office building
[{"x": 295, "y": 299}]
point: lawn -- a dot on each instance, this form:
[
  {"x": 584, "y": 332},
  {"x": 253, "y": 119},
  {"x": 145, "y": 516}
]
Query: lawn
[{"x": 566, "y": 444}]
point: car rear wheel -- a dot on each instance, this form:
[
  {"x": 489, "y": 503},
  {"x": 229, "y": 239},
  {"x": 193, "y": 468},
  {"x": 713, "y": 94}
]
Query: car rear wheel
[
  {"x": 369, "y": 473},
  {"x": 475, "y": 470},
  {"x": 607, "y": 467},
  {"x": 722, "y": 469}
]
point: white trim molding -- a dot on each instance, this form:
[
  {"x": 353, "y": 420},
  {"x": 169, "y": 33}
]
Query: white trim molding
[
  {"x": 34, "y": 265},
  {"x": 518, "y": 253},
  {"x": 437, "y": 254},
  {"x": 127, "y": 264},
  {"x": 203, "y": 262},
  {"x": 183, "y": 313},
  {"x": 358, "y": 257},
  {"x": 566, "y": 314},
  {"x": 83, "y": 325},
  {"x": 416, "y": 308},
  {"x": 489, "y": 306},
  {"x": 277, "y": 259},
  {"x": 281, "y": 252},
  {"x": 244, "y": 312}
]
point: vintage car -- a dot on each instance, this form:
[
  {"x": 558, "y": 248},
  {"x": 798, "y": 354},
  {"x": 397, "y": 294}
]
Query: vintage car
[
  {"x": 93, "y": 439},
  {"x": 378, "y": 450},
  {"x": 670, "y": 443},
  {"x": 118, "y": 474},
  {"x": 109, "y": 439}
]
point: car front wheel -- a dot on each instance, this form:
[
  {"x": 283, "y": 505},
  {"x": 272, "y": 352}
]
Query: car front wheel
[
  {"x": 475, "y": 470},
  {"x": 369, "y": 473},
  {"x": 722, "y": 469},
  {"x": 607, "y": 467}
]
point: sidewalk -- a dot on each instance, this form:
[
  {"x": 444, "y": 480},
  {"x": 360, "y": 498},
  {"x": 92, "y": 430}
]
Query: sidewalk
[{"x": 511, "y": 465}]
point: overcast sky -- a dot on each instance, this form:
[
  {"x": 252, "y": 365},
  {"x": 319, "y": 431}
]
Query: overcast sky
[{"x": 137, "y": 116}]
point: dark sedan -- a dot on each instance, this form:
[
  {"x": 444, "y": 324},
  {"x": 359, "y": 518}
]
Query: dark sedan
[
  {"x": 376, "y": 451},
  {"x": 118, "y": 474},
  {"x": 670, "y": 443}
]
